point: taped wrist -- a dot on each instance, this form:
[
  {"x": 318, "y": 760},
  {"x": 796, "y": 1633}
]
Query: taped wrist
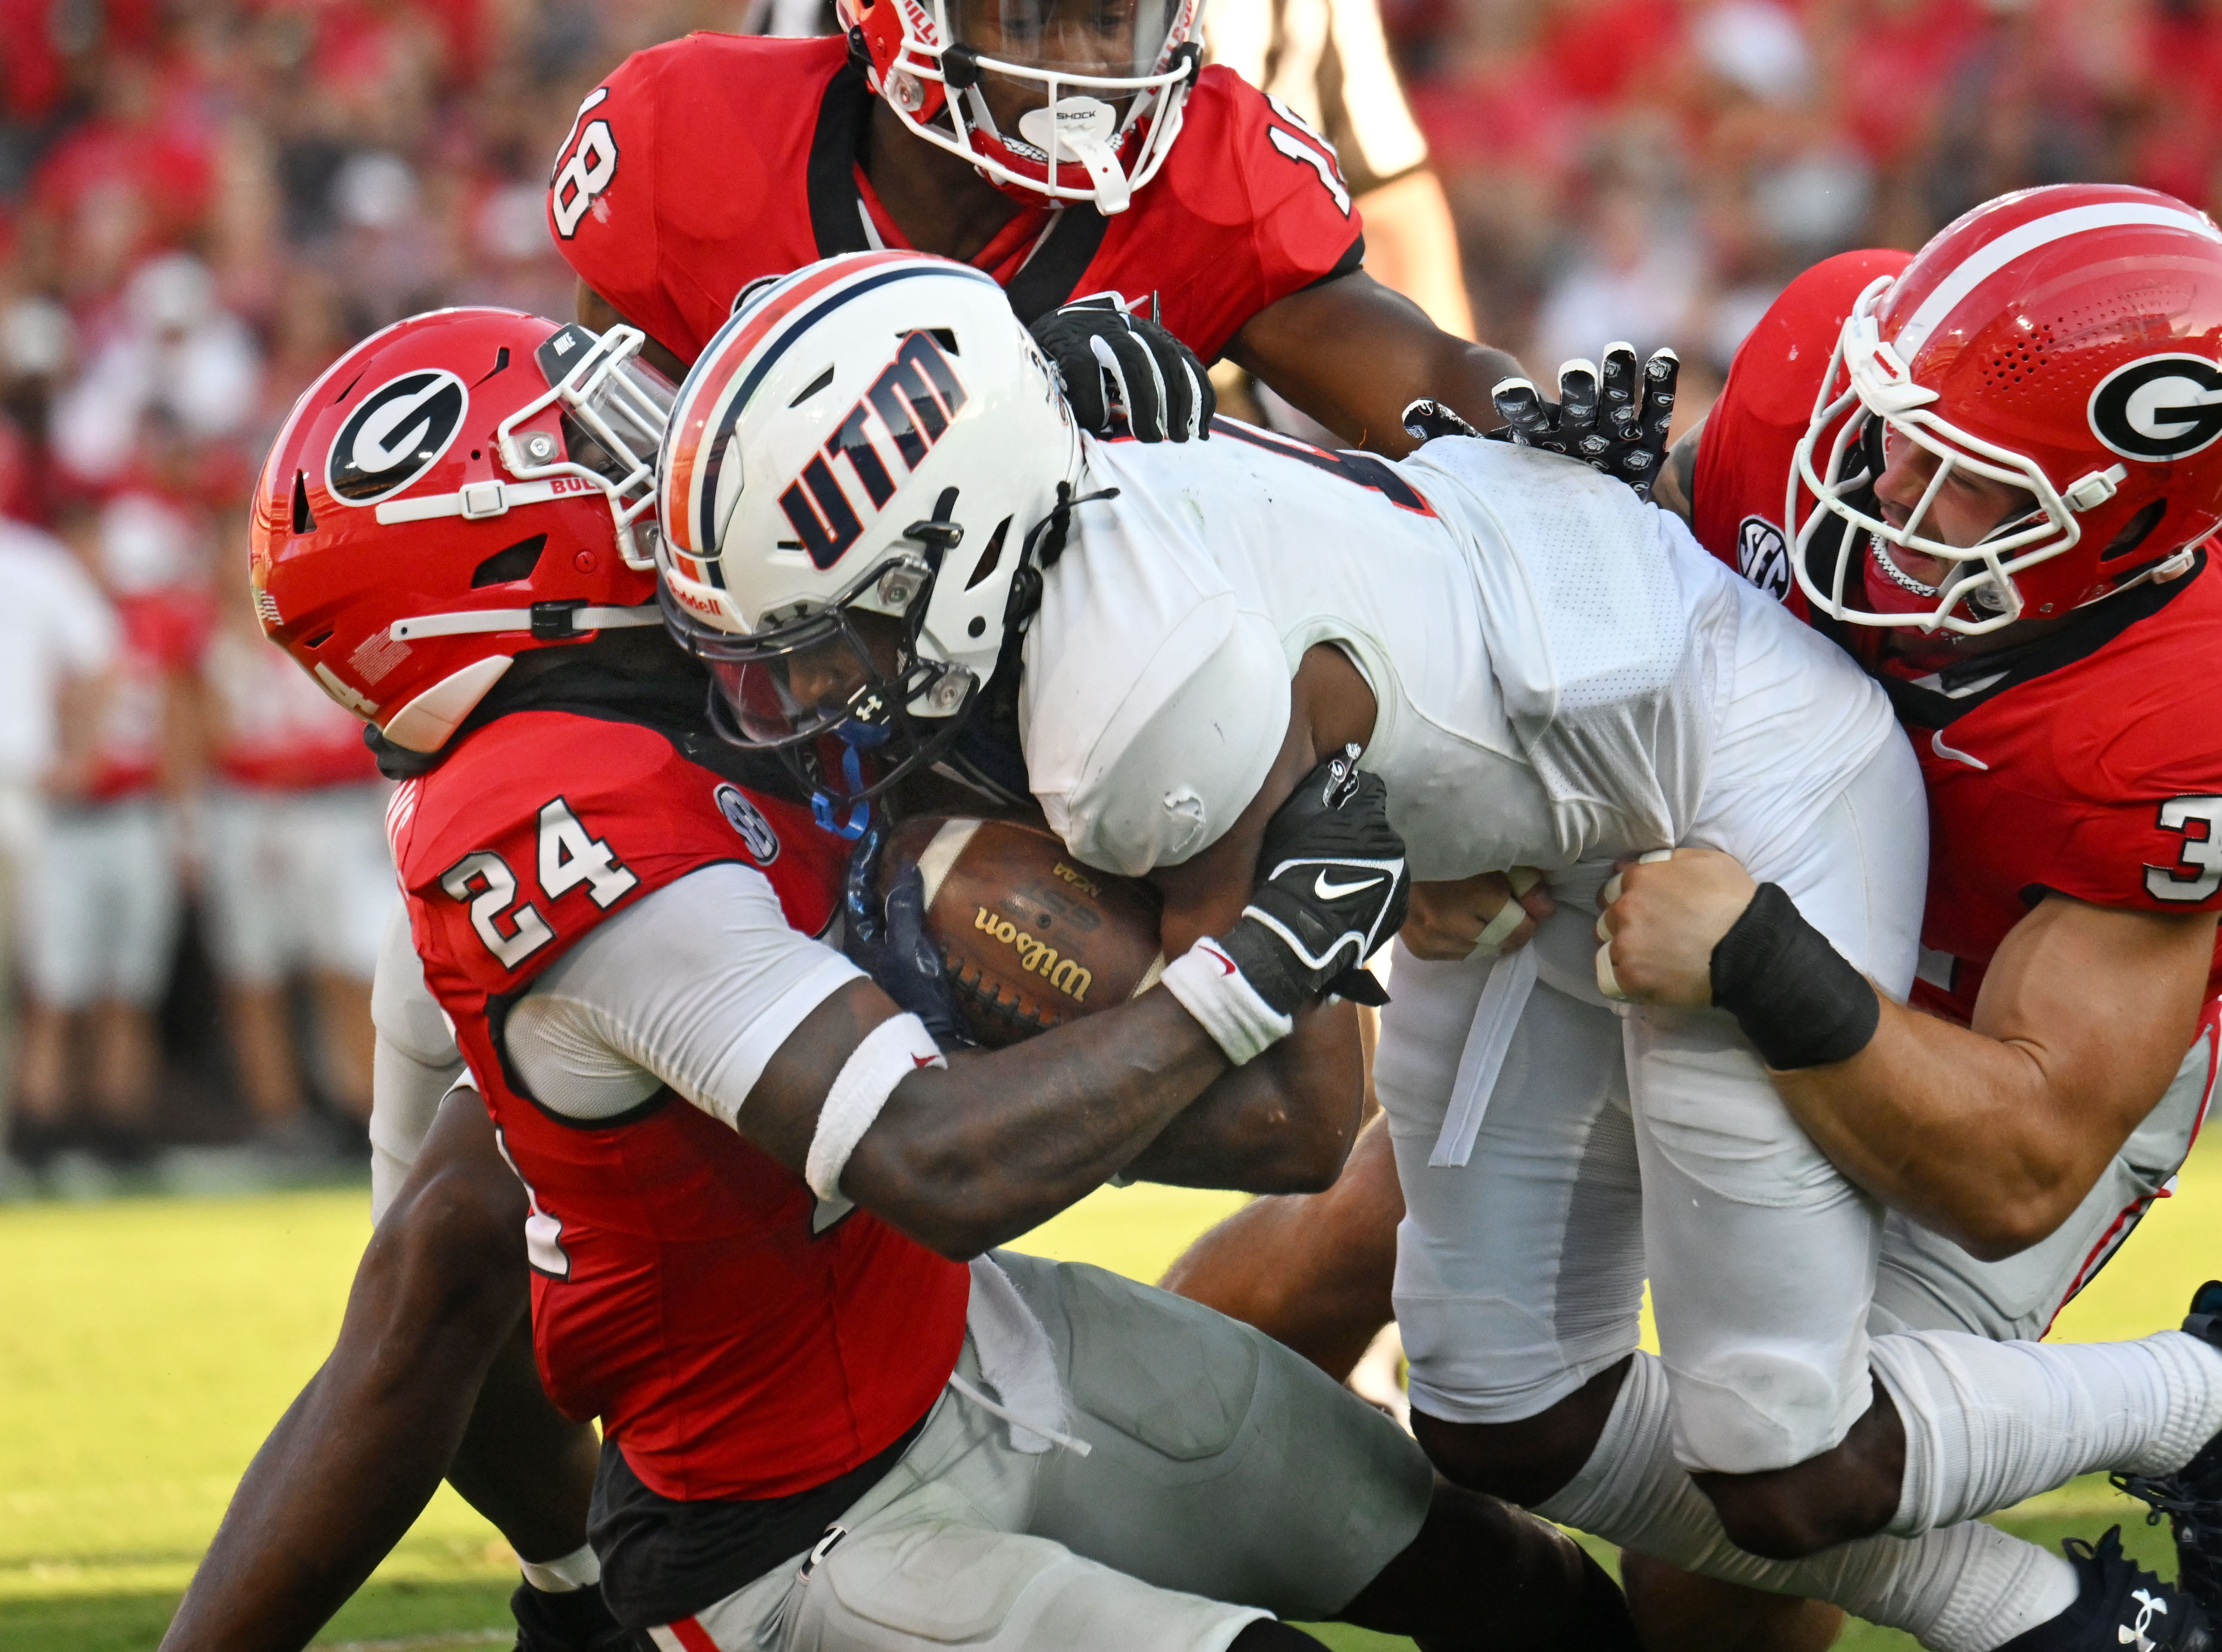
[
  {"x": 891, "y": 1052},
  {"x": 1800, "y": 1001},
  {"x": 1211, "y": 986}
]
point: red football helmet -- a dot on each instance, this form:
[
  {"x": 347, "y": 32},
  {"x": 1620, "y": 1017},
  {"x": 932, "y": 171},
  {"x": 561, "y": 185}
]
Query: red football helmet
[
  {"x": 456, "y": 490},
  {"x": 2065, "y": 341},
  {"x": 1112, "y": 82}
]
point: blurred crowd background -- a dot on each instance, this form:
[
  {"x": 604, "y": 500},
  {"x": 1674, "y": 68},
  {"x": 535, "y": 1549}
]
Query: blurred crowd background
[{"x": 203, "y": 202}]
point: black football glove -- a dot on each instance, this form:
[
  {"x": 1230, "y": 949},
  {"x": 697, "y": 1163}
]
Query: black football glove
[
  {"x": 886, "y": 939},
  {"x": 1424, "y": 420},
  {"x": 1616, "y": 423},
  {"x": 1332, "y": 886},
  {"x": 1115, "y": 362}
]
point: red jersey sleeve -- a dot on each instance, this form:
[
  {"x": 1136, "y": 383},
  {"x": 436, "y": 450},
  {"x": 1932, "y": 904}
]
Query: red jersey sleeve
[
  {"x": 2145, "y": 827},
  {"x": 1267, "y": 213},
  {"x": 1742, "y": 475},
  {"x": 668, "y": 239},
  {"x": 602, "y": 197},
  {"x": 545, "y": 822}
]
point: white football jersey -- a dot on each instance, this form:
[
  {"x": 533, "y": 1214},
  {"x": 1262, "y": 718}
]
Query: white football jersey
[{"x": 1556, "y": 664}]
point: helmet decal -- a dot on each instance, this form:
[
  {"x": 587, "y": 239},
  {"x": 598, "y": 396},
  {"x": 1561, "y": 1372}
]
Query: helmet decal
[
  {"x": 915, "y": 396},
  {"x": 399, "y": 432},
  {"x": 2161, "y": 408}
]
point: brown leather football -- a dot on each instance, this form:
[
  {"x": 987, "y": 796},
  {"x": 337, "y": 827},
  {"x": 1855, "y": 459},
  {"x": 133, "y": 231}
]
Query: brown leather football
[{"x": 1030, "y": 938}]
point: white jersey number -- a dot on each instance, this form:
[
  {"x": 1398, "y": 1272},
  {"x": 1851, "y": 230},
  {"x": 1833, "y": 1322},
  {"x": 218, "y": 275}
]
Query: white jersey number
[
  {"x": 568, "y": 856},
  {"x": 484, "y": 879},
  {"x": 1307, "y": 145},
  {"x": 2201, "y": 856},
  {"x": 586, "y": 174},
  {"x": 543, "y": 1234}
]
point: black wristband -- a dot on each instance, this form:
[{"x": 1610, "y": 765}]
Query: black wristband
[{"x": 1798, "y": 999}]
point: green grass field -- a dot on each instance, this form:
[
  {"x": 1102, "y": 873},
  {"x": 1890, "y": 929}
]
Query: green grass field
[{"x": 146, "y": 1346}]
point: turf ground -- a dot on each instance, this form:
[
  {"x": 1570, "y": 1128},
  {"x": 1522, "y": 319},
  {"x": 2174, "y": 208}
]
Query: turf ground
[{"x": 146, "y": 1346}]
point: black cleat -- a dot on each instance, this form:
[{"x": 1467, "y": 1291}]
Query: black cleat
[
  {"x": 2191, "y": 1497},
  {"x": 576, "y": 1621},
  {"x": 2120, "y": 1607}
]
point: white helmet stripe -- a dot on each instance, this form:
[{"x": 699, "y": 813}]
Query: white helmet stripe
[{"x": 1989, "y": 259}]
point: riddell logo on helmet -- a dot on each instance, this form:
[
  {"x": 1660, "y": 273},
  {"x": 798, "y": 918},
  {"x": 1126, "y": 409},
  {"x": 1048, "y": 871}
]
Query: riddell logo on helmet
[
  {"x": 913, "y": 400},
  {"x": 2160, "y": 408}
]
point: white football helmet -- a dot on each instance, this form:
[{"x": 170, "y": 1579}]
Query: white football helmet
[{"x": 873, "y": 435}]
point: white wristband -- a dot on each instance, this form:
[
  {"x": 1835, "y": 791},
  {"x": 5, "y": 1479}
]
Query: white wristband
[
  {"x": 1217, "y": 992},
  {"x": 891, "y": 1052}
]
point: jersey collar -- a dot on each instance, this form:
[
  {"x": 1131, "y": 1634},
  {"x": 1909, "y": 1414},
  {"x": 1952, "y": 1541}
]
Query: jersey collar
[{"x": 1040, "y": 257}]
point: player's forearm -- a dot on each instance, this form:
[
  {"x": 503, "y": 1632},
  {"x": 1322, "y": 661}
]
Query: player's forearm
[
  {"x": 1352, "y": 354},
  {"x": 965, "y": 1159},
  {"x": 1283, "y": 1123},
  {"x": 1967, "y": 1135},
  {"x": 356, "y": 1457}
]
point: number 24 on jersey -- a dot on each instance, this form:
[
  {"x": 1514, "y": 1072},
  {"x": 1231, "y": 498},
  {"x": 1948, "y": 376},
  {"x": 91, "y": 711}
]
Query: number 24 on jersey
[{"x": 514, "y": 929}]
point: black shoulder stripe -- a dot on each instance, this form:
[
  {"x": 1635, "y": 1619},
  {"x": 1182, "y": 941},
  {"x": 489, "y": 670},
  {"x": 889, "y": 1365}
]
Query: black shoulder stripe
[
  {"x": 1050, "y": 277},
  {"x": 835, "y": 222}
]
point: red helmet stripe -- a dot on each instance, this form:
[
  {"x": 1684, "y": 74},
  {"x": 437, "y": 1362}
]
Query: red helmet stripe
[{"x": 1992, "y": 256}]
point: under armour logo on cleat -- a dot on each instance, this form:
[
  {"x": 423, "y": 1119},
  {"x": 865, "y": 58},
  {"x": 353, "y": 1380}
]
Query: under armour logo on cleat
[{"x": 2130, "y": 1633}]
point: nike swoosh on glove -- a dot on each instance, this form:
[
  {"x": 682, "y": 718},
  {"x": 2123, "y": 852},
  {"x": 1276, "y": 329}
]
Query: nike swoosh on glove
[
  {"x": 1116, "y": 364},
  {"x": 886, "y": 939},
  {"x": 1616, "y": 421},
  {"x": 1332, "y": 886}
]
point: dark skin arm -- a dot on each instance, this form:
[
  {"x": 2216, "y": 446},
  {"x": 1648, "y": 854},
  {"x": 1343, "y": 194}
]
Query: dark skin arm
[
  {"x": 1314, "y": 1079},
  {"x": 1676, "y": 490},
  {"x": 964, "y": 1159},
  {"x": 1990, "y": 1133},
  {"x": 432, "y": 1369},
  {"x": 1352, "y": 354}
]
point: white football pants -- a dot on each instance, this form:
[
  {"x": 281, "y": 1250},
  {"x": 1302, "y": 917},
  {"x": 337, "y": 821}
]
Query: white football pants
[{"x": 1619, "y": 1140}]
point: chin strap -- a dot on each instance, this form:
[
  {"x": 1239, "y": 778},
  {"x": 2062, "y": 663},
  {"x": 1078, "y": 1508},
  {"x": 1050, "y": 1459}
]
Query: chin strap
[{"x": 860, "y": 816}]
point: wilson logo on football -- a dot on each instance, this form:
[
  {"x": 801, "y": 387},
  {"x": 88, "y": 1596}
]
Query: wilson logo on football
[
  {"x": 396, "y": 436},
  {"x": 1038, "y": 958},
  {"x": 912, "y": 403},
  {"x": 2160, "y": 408}
]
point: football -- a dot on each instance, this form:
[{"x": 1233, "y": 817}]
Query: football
[{"x": 1030, "y": 937}]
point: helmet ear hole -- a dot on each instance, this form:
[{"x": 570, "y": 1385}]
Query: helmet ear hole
[
  {"x": 304, "y": 521},
  {"x": 2135, "y": 531},
  {"x": 516, "y": 561}
]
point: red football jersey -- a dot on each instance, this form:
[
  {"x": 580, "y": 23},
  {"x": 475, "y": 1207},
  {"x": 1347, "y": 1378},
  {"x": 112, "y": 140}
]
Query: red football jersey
[
  {"x": 704, "y": 163},
  {"x": 679, "y": 1291},
  {"x": 2099, "y": 777}
]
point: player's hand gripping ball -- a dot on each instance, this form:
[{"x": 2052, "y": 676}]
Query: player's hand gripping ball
[
  {"x": 1615, "y": 422},
  {"x": 1026, "y": 937}
]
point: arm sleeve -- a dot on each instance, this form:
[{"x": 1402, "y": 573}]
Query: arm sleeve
[
  {"x": 413, "y": 1061},
  {"x": 696, "y": 987}
]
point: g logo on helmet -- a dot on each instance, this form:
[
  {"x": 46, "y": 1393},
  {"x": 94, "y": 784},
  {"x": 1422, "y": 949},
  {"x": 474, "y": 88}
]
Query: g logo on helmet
[
  {"x": 745, "y": 818},
  {"x": 396, "y": 436},
  {"x": 2159, "y": 408}
]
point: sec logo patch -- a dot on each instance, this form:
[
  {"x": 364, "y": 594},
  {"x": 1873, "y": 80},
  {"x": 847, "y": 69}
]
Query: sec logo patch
[
  {"x": 1762, "y": 556},
  {"x": 745, "y": 818}
]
